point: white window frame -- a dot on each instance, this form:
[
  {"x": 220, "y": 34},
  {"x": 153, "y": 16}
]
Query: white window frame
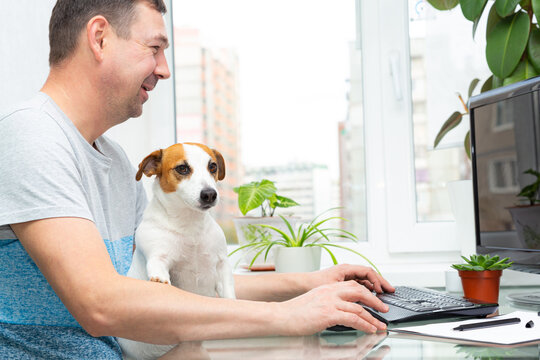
[
  {"x": 406, "y": 251},
  {"x": 389, "y": 132}
]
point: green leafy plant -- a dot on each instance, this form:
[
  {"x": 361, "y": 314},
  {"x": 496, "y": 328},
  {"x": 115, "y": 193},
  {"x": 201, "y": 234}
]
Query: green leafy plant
[
  {"x": 261, "y": 194},
  {"x": 314, "y": 233},
  {"x": 482, "y": 263},
  {"x": 531, "y": 191},
  {"x": 512, "y": 45},
  {"x": 455, "y": 119}
]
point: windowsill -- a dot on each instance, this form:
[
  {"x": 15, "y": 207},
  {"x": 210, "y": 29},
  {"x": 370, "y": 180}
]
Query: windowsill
[{"x": 432, "y": 275}]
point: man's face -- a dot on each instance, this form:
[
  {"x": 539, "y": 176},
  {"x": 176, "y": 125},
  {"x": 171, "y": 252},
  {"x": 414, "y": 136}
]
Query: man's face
[{"x": 136, "y": 63}]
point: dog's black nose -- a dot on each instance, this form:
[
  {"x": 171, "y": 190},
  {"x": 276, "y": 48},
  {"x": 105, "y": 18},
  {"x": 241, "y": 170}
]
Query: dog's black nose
[{"x": 208, "y": 196}]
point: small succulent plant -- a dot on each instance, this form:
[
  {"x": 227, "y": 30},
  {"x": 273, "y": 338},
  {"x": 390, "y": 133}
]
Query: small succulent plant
[{"x": 482, "y": 263}]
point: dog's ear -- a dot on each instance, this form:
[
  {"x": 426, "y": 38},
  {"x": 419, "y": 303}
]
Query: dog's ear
[
  {"x": 220, "y": 164},
  {"x": 151, "y": 165}
]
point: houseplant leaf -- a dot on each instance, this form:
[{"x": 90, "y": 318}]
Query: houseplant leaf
[
  {"x": 492, "y": 20},
  {"x": 472, "y": 86},
  {"x": 523, "y": 71},
  {"x": 472, "y": 9},
  {"x": 488, "y": 84},
  {"x": 252, "y": 195},
  {"x": 536, "y": 9},
  {"x": 467, "y": 144},
  {"x": 285, "y": 202},
  {"x": 505, "y": 7},
  {"x": 450, "y": 123},
  {"x": 506, "y": 43},
  {"x": 443, "y": 4},
  {"x": 533, "y": 47}
]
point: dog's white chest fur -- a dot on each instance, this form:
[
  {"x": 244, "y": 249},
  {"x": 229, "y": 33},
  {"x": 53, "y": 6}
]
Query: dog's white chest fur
[
  {"x": 178, "y": 242},
  {"x": 192, "y": 256}
]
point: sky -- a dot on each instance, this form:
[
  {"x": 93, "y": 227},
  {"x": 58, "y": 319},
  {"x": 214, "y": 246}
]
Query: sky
[{"x": 293, "y": 68}]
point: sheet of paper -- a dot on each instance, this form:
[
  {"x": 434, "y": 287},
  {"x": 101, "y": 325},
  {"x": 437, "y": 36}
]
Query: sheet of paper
[{"x": 503, "y": 335}]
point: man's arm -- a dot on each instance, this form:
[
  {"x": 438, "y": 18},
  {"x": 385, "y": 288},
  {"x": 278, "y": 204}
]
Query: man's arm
[
  {"x": 279, "y": 287},
  {"x": 72, "y": 256}
]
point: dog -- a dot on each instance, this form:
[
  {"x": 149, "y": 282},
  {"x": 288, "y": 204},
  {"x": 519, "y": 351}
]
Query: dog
[{"x": 178, "y": 242}]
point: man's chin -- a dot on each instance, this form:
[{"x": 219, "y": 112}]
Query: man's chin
[{"x": 135, "y": 111}]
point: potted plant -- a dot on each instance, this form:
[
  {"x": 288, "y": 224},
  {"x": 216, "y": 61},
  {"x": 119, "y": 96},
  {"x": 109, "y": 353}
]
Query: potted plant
[
  {"x": 525, "y": 216},
  {"x": 261, "y": 195},
  {"x": 512, "y": 46},
  {"x": 480, "y": 276},
  {"x": 299, "y": 249}
]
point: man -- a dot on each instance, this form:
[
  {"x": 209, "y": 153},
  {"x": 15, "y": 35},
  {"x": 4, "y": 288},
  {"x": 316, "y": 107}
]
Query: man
[{"x": 70, "y": 206}]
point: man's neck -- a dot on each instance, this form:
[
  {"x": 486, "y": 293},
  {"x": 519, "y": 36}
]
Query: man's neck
[{"x": 72, "y": 94}]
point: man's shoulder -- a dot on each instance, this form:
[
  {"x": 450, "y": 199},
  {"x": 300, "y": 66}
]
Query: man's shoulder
[
  {"x": 33, "y": 120},
  {"x": 33, "y": 105}
]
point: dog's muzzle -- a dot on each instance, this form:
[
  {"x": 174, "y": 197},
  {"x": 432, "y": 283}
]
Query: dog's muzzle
[{"x": 208, "y": 198}]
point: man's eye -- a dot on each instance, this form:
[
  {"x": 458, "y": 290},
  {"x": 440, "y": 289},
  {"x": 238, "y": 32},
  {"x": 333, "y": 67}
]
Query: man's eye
[
  {"x": 182, "y": 169},
  {"x": 212, "y": 167}
]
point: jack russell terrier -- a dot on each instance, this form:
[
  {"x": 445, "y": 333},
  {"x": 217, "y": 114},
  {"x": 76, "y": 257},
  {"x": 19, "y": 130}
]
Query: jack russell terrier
[{"x": 178, "y": 242}]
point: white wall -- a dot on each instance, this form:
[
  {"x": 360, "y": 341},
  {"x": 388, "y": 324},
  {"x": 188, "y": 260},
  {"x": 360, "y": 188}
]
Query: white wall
[{"x": 24, "y": 48}]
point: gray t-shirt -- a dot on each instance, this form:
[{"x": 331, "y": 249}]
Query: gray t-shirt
[{"x": 47, "y": 169}]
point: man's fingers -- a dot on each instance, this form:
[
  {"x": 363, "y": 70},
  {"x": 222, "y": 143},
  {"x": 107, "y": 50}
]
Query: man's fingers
[
  {"x": 362, "y": 313},
  {"x": 364, "y": 273},
  {"x": 379, "y": 283},
  {"x": 353, "y": 292}
]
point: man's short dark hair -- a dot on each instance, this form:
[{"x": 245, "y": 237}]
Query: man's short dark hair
[{"x": 69, "y": 18}]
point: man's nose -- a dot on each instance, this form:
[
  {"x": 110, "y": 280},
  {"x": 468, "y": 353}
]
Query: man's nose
[{"x": 162, "y": 69}]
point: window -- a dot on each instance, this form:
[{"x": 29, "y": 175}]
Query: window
[
  {"x": 347, "y": 89},
  {"x": 277, "y": 90},
  {"x": 442, "y": 64}
]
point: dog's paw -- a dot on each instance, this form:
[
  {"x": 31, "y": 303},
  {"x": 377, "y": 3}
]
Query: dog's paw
[{"x": 157, "y": 279}]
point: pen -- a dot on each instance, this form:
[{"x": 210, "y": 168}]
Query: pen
[{"x": 487, "y": 324}]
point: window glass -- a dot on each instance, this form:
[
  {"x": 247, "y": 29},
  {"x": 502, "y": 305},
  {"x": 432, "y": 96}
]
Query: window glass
[
  {"x": 276, "y": 87},
  {"x": 444, "y": 59}
]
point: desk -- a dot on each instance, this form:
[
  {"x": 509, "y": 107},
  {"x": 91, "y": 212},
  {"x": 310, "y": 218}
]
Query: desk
[{"x": 357, "y": 345}]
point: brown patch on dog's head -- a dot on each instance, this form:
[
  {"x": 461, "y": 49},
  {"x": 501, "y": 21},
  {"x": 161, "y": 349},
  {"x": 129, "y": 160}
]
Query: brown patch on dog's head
[
  {"x": 171, "y": 167},
  {"x": 151, "y": 165},
  {"x": 217, "y": 157},
  {"x": 161, "y": 162}
]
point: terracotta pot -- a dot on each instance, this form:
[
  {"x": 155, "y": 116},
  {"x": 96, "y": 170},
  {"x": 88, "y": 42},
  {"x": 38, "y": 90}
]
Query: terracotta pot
[{"x": 481, "y": 285}]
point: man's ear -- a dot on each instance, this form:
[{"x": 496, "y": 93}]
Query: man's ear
[
  {"x": 96, "y": 30},
  {"x": 220, "y": 164},
  {"x": 151, "y": 165}
]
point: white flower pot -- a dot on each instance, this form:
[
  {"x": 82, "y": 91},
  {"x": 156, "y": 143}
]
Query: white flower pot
[
  {"x": 297, "y": 259},
  {"x": 245, "y": 235}
]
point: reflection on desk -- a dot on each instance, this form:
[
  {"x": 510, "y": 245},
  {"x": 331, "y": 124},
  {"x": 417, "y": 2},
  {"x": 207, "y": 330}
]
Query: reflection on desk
[
  {"x": 328, "y": 346},
  {"x": 343, "y": 346}
]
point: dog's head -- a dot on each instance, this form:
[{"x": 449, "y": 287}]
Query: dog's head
[{"x": 189, "y": 171}]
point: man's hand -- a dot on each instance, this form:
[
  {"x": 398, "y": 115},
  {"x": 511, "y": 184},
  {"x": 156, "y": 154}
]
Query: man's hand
[
  {"x": 361, "y": 274},
  {"x": 329, "y": 305}
]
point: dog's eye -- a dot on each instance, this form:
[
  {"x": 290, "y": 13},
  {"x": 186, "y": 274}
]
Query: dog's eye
[
  {"x": 212, "y": 167},
  {"x": 182, "y": 169}
]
